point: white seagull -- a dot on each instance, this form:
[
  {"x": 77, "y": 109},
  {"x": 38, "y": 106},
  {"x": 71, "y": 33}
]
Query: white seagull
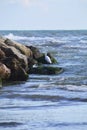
[{"x": 47, "y": 59}]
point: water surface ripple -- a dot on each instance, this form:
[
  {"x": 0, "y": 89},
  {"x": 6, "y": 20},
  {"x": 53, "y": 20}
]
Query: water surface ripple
[{"x": 57, "y": 102}]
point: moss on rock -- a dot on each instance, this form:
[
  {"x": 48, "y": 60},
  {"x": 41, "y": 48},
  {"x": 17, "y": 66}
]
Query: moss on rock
[{"x": 46, "y": 70}]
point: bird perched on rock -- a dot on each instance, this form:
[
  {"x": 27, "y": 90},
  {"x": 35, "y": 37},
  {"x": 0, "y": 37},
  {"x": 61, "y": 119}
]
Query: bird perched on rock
[{"x": 48, "y": 59}]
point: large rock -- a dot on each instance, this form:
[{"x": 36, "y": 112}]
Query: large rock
[
  {"x": 17, "y": 61},
  {"x": 18, "y": 72},
  {"x": 14, "y": 53},
  {"x": 2, "y": 54},
  {"x": 4, "y": 72},
  {"x": 22, "y": 48},
  {"x": 36, "y": 52},
  {"x": 2, "y": 39}
]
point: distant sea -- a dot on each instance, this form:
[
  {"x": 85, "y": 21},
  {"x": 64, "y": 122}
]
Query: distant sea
[{"x": 55, "y": 102}]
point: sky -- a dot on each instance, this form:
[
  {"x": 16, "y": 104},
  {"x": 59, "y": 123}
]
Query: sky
[{"x": 43, "y": 14}]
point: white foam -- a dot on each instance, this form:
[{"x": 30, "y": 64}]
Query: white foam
[
  {"x": 74, "y": 87},
  {"x": 15, "y": 37},
  {"x": 33, "y": 38}
]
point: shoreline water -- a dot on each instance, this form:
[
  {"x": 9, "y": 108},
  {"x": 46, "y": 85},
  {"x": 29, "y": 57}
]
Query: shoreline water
[{"x": 49, "y": 102}]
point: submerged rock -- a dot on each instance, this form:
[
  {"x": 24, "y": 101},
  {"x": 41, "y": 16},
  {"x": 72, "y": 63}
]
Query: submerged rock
[{"x": 46, "y": 70}]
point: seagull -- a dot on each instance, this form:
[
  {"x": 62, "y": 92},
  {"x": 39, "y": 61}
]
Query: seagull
[{"x": 47, "y": 59}]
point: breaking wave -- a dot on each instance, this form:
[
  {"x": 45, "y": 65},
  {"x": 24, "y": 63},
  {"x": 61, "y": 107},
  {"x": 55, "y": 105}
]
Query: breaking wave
[
  {"x": 15, "y": 37},
  {"x": 34, "y": 38}
]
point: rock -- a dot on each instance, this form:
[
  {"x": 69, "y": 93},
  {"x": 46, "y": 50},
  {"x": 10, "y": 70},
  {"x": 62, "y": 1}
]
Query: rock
[
  {"x": 14, "y": 53},
  {"x": 36, "y": 52},
  {"x": 4, "y": 72},
  {"x": 31, "y": 62},
  {"x": 2, "y": 39},
  {"x": 22, "y": 48},
  {"x": 0, "y": 82},
  {"x": 18, "y": 73},
  {"x": 2, "y": 54},
  {"x": 18, "y": 60},
  {"x": 2, "y": 44},
  {"x": 46, "y": 70}
]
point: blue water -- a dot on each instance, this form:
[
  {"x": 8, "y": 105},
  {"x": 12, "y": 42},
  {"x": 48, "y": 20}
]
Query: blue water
[{"x": 57, "y": 102}]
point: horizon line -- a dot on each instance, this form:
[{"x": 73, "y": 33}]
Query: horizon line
[{"x": 43, "y": 29}]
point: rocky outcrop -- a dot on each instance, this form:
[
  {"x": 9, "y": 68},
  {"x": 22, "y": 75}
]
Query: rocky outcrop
[
  {"x": 17, "y": 60},
  {"x": 14, "y": 60}
]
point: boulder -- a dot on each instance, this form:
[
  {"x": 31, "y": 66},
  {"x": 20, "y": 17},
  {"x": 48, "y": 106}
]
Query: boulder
[
  {"x": 35, "y": 51},
  {"x": 18, "y": 73},
  {"x": 22, "y": 48},
  {"x": 5, "y": 72},
  {"x": 12, "y": 52},
  {"x": 18, "y": 60},
  {"x": 2, "y": 39},
  {"x": 2, "y": 54},
  {"x": 46, "y": 70}
]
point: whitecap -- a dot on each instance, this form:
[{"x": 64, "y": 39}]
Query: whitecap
[
  {"x": 15, "y": 37},
  {"x": 35, "y": 38},
  {"x": 74, "y": 87}
]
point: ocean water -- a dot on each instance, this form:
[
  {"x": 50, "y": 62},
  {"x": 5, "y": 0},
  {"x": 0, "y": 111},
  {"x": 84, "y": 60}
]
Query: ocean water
[{"x": 55, "y": 102}]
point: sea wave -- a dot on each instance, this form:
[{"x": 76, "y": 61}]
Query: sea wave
[
  {"x": 46, "y": 97},
  {"x": 83, "y": 41},
  {"x": 15, "y": 37},
  {"x": 35, "y": 38}
]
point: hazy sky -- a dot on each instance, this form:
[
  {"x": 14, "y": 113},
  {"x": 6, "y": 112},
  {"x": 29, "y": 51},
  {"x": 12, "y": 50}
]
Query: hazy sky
[{"x": 43, "y": 14}]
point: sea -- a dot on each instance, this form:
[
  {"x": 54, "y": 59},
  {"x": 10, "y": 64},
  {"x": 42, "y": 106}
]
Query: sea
[{"x": 49, "y": 102}]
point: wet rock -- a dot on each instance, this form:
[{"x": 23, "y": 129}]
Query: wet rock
[
  {"x": 36, "y": 52},
  {"x": 46, "y": 70}
]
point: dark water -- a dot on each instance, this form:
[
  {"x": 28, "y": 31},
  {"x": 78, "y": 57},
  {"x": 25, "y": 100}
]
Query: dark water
[{"x": 57, "y": 102}]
